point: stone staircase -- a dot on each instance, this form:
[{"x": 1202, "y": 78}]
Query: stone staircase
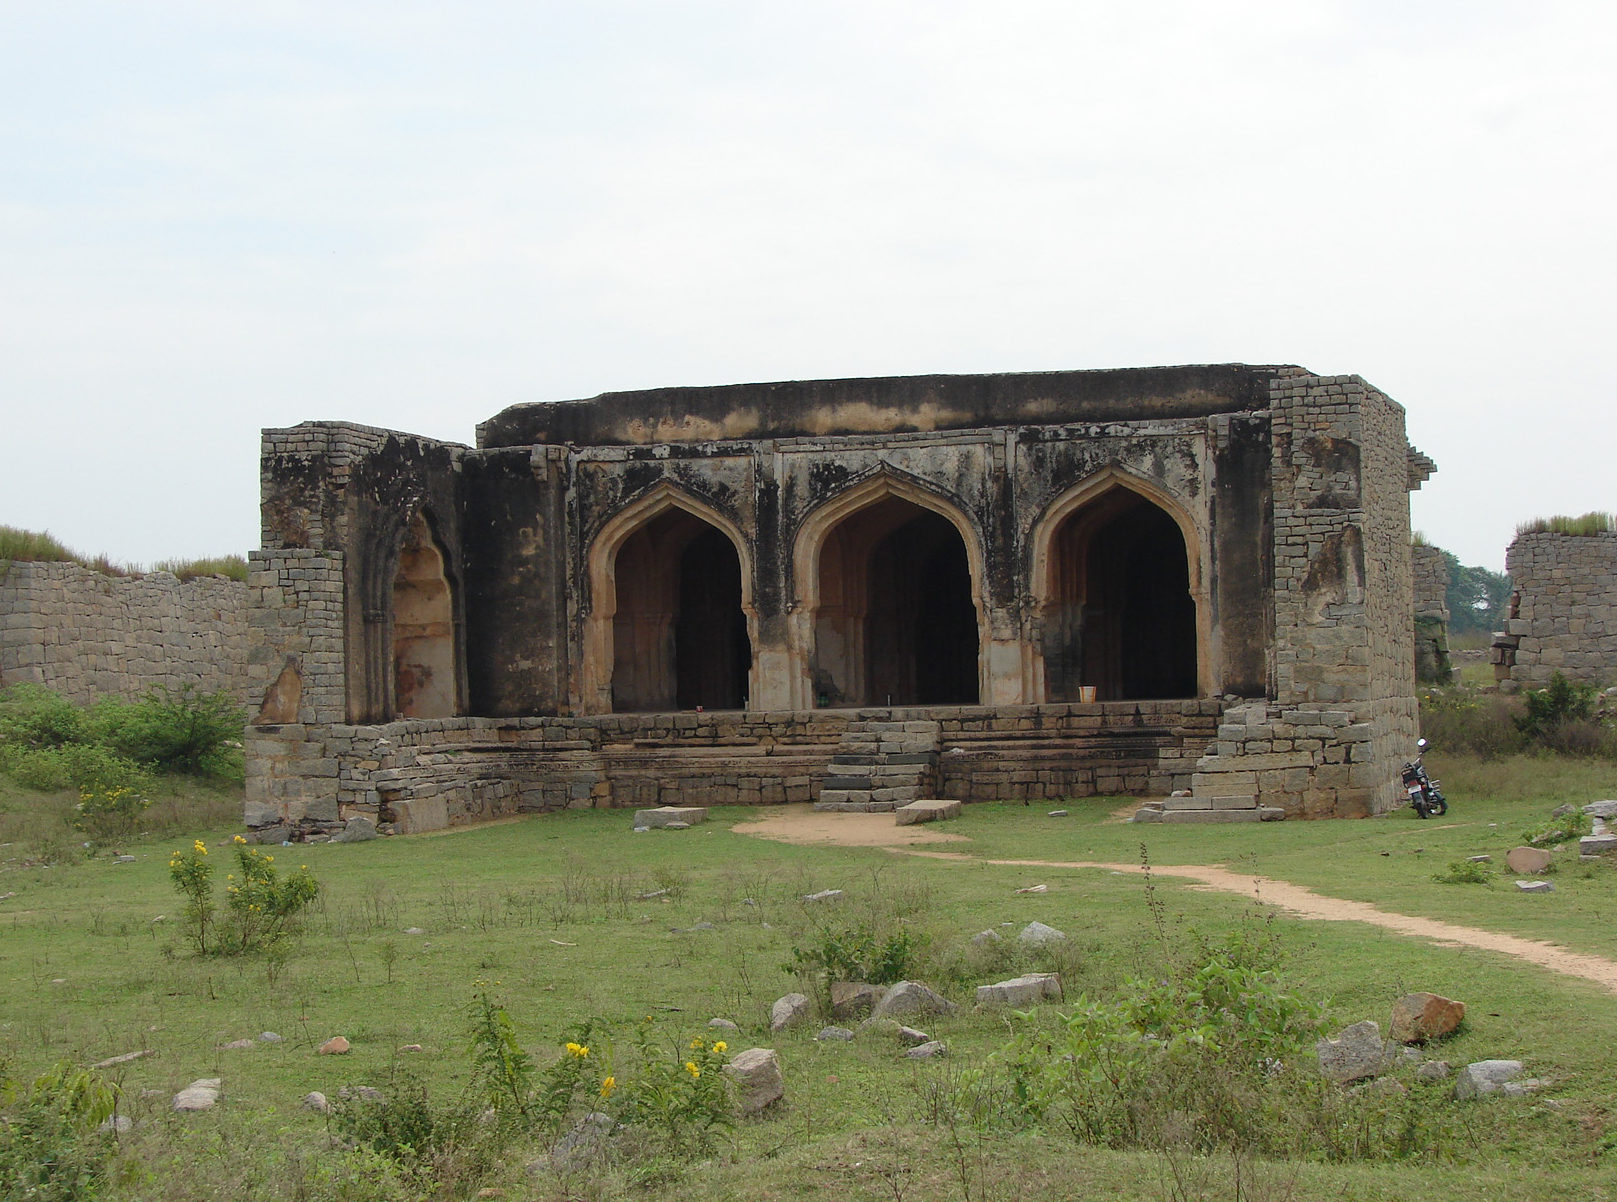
[{"x": 881, "y": 765}]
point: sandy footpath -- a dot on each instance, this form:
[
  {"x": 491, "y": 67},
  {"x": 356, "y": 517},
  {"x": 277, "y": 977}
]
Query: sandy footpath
[{"x": 801, "y": 824}]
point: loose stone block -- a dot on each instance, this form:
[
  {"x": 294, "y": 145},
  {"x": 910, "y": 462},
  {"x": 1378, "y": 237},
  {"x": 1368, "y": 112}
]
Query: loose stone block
[
  {"x": 1027, "y": 990},
  {"x": 926, "y": 811},
  {"x": 664, "y": 816}
]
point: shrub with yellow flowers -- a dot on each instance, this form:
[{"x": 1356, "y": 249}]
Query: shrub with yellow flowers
[
  {"x": 676, "y": 1091},
  {"x": 260, "y": 904}
]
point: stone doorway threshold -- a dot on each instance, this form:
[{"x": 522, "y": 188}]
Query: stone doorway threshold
[{"x": 799, "y": 824}]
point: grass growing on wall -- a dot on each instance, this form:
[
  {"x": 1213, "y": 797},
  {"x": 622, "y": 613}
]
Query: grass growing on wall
[
  {"x": 30, "y": 546},
  {"x": 1585, "y": 525}
]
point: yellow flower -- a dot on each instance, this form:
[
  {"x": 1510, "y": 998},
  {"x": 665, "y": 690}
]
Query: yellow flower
[
  {"x": 199, "y": 847},
  {"x": 579, "y": 1050},
  {"x": 690, "y": 1067},
  {"x": 721, "y": 1046},
  {"x": 238, "y": 839},
  {"x": 697, "y": 1042},
  {"x": 607, "y": 1086}
]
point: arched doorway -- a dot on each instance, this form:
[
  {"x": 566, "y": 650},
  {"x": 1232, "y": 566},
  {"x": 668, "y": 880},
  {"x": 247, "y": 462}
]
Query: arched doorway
[
  {"x": 424, "y": 684},
  {"x": 679, "y": 633},
  {"x": 1119, "y": 612},
  {"x": 895, "y": 621}
]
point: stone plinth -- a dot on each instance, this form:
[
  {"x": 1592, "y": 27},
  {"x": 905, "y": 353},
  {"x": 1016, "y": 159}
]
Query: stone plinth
[
  {"x": 926, "y": 811},
  {"x": 677, "y": 817}
]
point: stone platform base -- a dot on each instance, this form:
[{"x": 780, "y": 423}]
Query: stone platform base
[
  {"x": 1186, "y": 809},
  {"x": 677, "y": 817},
  {"x": 926, "y": 811}
]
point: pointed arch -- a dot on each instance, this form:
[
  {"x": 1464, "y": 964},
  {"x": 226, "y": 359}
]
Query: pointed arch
[
  {"x": 667, "y": 503},
  {"x": 425, "y": 664},
  {"x": 831, "y": 644},
  {"x": 1156, "y": 642}
]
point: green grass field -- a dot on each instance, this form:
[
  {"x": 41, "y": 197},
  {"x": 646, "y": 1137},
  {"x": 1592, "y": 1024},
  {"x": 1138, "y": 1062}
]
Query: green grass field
[{"x": 93, "y": 964}]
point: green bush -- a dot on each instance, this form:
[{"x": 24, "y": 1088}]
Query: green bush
[
  {"x": 81, "y": 766},
  {"x": 1464, "y": 872},
  {"x": 51, "y": 1148},
  {"x": 1460, "y": 719},
  {"x": 854, "y": 952},
  {"x": 260, "y": 904},
  {"x": 34, "y": 718},
  {"x": 175, "y": 730}
]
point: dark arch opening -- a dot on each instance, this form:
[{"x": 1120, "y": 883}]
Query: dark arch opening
[
  {"x": 1120, "y": 616},
  {"x": 896, "y": 624},
  {"x": 679, "y": 635}
]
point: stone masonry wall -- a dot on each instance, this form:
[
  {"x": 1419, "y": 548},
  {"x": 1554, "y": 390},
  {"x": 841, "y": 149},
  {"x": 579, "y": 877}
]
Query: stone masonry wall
[
  {"x": 1563, "y": 612},
  {"x": 423, "y": 774},
  {"x": 1430, "y": 575},
  {"x": 86, "y": 634}
]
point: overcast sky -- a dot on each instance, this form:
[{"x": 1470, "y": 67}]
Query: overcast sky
[{"x": 216, "y": 217}]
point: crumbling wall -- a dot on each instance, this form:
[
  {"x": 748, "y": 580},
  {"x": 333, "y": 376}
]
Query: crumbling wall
[
  {"x": 1563, "y": 612},
  {"x": 86, "y": 634},
  {"x": 1429, "y": 571}
]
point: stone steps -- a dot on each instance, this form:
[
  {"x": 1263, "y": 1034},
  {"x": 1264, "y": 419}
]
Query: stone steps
[{"x": 880, "y": 766}]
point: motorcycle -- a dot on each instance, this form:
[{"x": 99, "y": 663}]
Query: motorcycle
[{"x": 1425, "y": 798}]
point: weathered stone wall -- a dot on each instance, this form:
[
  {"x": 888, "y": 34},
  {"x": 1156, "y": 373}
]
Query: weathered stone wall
[
  {"x": 86, "y": 634},
  {"x": 1430, "y": 574},
  {"x": 1342, "y": 711},
  {"x": 461, "y": 769},
  {"x": 1563, "y": 614}
]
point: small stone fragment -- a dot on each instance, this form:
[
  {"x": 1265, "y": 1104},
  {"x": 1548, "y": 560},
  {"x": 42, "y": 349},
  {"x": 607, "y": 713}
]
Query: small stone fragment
[
  {"x": 1536, "y": 886},
  {"x": 985, "y": 938},
  {"x": 1485, "y": 1076},
  {"x": 202, "y": 1094},
  {"x": 584, "y": 1144},
  {"x": 1356, "y": 1053},
  {"x": 237, "y": 1044},
  {"x": 268, "y": 1037},
  {"x": 911, "y": 997},
  {"x": 932, "y": 1049},
  {"x": 853, "y": 999},
  {"x": 1057, "y": 814},
  {"x": 1434, "y": 1070},
  {"x": 316, "y": 1101},
  {"x": 823, "y": 895},
  {"x": 722, "y": 1024},
  {"x": 1419, "y": 1017},
  {"x": 834, "y": 1034},
  {"x": 335, "y": 1046},
  {"x": 126, "y": 1058},
  {"x": 1027, "y": 990},
  {"x": 359, "y": 829},
  {"x": 1035, "y": 889},
  {"x": 1036, "y": 934}
]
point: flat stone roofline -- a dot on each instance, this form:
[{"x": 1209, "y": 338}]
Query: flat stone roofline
[{"x": 884, "y": 404}]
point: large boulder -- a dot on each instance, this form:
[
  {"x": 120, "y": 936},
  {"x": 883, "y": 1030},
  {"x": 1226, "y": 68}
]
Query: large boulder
[
  {"x": 853, "y": 999},
  {"x": 1358, "y": 1052},
  {"x": 759, "y": 1083},
  {"x": 1419, "y": 1017},
  {"x": 911, "y": 997},
  {"x": 1528, "y": 860}
]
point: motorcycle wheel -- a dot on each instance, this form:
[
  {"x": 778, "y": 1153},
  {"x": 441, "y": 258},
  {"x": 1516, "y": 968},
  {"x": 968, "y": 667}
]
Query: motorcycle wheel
[
  {"x": 1440, "y": 807},
  {"x": 1420, "y": 810}
]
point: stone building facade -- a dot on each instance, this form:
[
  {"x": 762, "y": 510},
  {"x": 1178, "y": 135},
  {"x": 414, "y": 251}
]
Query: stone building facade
[
  {"x": 1013, "y": 586},
  {"x": 86, "y": 634},
  {"x": 1430, "y": 578},
  {"x": 1563, "y": 610}
]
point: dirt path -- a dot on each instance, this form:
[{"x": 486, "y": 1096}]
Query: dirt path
[{"x": 794, "y": 824}]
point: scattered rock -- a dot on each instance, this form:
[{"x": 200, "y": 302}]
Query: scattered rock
[
  {"x": 788, "y": 1010},
  {"x": 1419, "y": 1017},
  {"x": 584, "y": 1145},
  {"x": 853, "y": 999},
  {"x": 701, "y": 926},
  {"x": 1480, "y": 859},
  {"x": 123, "y": 859},
  {"x": 823, "y": 895},
  {"x": 117, "y": 1123},
  {"x": 911, "y": 997},
  {"x": 1057, "y": 814},
  {"x": 1381, "y": 1085},
  {"x": 1597, "y": 844},
  {"x": 1027, "y": 990},
  {"x": 412, "y": 1047},
  {"x": 1536, "y": 886},
  {"x": 911, "y": 1036},
  {"x": 655, "y": 893},
  {"x": 237, "y": 1044},
  {"x": 359, "y": 829},
  {"x": 985, "y": 938},
  {"x": 316, "y": 1101},
  {"x": 201, "y": 1094},
  {"x": 414, "y": 931},
  {"x": 335, "y": 1046},
  {"x": 1036, "y": 934},
  {"x": 932, "y": 1049},
  {"x": 1035, "y": 889},
  {"x": 1601, "y": 809},
  {"x": 834, "y": 1034},
  {"x": 926, "y": 810},
  {"x": 1358, "y": 1052},
  {"x": 1527, "y": 860},
  {"x": 268, "y": 1037},
  {"x": 722, "y": 1024},
  {"x": 1485, "y": 1076},
  {"x": 756, "y": 1073},
  {"x": 359, "y": 1093},
  {"x": 126, "y": 1058},
  {"x": 1434, "y": 1070}
]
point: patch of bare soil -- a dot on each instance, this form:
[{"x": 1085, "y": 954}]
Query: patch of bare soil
[{"x": 801, "y": 824}]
